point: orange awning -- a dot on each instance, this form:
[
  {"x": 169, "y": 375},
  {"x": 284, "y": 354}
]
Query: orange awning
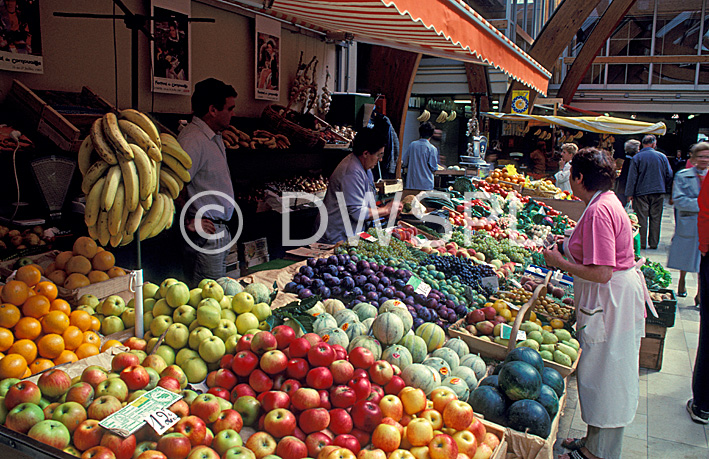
[{"x": 444, "y": 28}]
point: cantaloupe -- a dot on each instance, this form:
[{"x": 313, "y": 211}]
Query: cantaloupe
[
  {"x": 432, "y": 334},
  {"x": 388, "y": 328}
]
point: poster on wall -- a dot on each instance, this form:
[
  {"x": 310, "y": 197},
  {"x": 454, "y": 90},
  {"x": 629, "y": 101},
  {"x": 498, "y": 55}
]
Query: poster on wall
[
  {"x": 171, "y": 52},
  {"x": 520, "y": 102},
  {"x": 268, "y": 57},
  {"x": 20, "y": 36}
]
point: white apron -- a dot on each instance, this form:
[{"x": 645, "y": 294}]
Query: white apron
[{"x": 610, "y": 320}]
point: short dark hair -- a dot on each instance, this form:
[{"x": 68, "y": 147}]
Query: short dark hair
[
  {"x": 210, "y": 92},
  {"x": 369, "y": 139},
  {"x": 426, "y": 130},
  {"x": 649, "y": 139},
  {"x": 596, "y": 166}
]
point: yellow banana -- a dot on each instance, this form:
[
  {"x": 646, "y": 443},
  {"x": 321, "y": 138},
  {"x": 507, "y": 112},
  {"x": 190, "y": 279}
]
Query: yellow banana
[
  {"x": 156, "y": 177},
  {"x": 170, "y": 184},
  {"x": 133, "y": 221},
  {"x": 93, "y": 232},
  {"x": 115, "y": 137},
  {"x": 83, "y": 158},
  {"x": 144, "y": 168},
  {"x": 127, "y": 239},
  {"x": 442, "y": 117},
  {"x": 140, "y": 137},
  {"x": 92, "y": 175},
  {"x": 177, "y": 168},
  {"x": 102, "y": 228},
  {"x": 110, "y": 188},
  {"x": 178, "y": 180},
  {"x": 93, "y": 202},
  {"x": 152, "y": 218},
  {"x": 424, "y": 116},
  {"x": 116, "y": 240},
  {"x": 100, "y": 144},
  {"x": 114, "y": 215},
  {"x": 166, "y": 214},
  {"x": 147, "y": 203},
  {"x": 131, "y": 182},
  {"x": 452, "y": 116},
  {"x": 172, "y": 148},
  {"x": 145, "y": 123}
]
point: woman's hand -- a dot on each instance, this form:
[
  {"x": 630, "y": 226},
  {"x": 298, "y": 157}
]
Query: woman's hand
[{"x": 553, "y": 257}]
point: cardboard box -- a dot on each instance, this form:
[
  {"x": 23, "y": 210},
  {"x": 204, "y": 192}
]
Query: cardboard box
[{"x": 652, "y": 346}]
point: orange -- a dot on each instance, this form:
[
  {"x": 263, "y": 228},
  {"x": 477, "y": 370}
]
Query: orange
[
  {"x": 103, "y": 261},
  {"x": 60, "y": 305},
  {"x": 76, "y": 280},
  {"x": 50, "y": 346},
  {"x": 85, "y": 246},
  {"x": 85, "y": 350},
  {"x": 36, "y": 306},
  {"x": 12, "y": 366},
  {"x": 26, "y": 348},
  {"x": 91, "y": 337},
  {"x": 78, "y": 264},
  {"x": 6, "y": 339},
  {"x": 97, "y": 276},
  {"x": 15, "y": 292},
  {"x": 9, "y": 315},
  {"x": 95, "y": 324},
  {"x": 55, "y": 322},
  {"x": 40, "y": 364},
  {"x": 116, "y": 272},
  {"x": 27, "y": 374},
  {"x": 64, "y": 357},
  {"x": 48, "y": 289},
  {"x": 73, "y": 337},
  {"x": 62, "y": 259},
  {"x": 28, "y": 328},
  {"x": 110, "y": 343},
  {"x": 29, "y": 274},
  {"x": 81, "y": 319}
]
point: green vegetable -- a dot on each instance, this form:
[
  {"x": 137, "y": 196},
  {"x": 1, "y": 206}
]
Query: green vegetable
[{"x": 463, "y": 185}]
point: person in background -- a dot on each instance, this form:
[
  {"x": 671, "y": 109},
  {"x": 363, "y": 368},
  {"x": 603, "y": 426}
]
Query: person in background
[
  {"x": 698, "y": 405},
  {"x": 568, "y": 150},
  {"x": 421, "y": 159},
  {"x": 679, "y": 162},
  {"x": 631, "y": 148},
  {"x": 213, "y": 104},
  {"x": 683, "y": 253},
  {"x": 353, "y": 181},
  {"x": 649, "y": 179},
  {"x": 610, "y": 295},
  {"x": 538, "y": 159}
]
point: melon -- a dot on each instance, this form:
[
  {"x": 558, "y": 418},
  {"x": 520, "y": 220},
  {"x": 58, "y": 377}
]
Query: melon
[
  {"x": 432, "y": 334},
  {"x": 354, "y": 329},
  {"x": 526, "y": 354},
  {"x": 459, "y": 346},
  {"x": 491, "y": 380},
  {"x": 366, "y": 342},
  {"x": 468, "y": 375},
  {"x": 389, "y": 305},
  {"x": 438, "y": 364},
  {"x": 332, "y": 306},
  {"x": 529, "y": 416},
  {"x": 388, "y": 328},
  {"x": 490, "y": 403},
  {"x": 416, "y": 346},
  {"x": 549, "y": 400},
  {"x": 417, "y": 375},
  {"x": 459, "y": 386},
  {"x": 365, "y": 311},
  {"x": 323, "y": 322},
  {"x": 317, "y": 309},
  {"x": 397, "y": 355},
  {"x": 404, "y": 315},
  {"x": 260, "y": 292},
  {"x": 230, "y": 286},
  {"x": 477, "y": 364},
  {"x": 520, "y": 380},
  {"x": 344, "y": 315},
  {"x": 449, "y": 356},
  {"x": 368, "y": 323},
  {"x": 553, "y": 379},
  {"x": 334, "y": 336}
]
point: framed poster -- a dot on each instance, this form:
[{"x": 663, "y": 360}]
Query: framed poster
[
  {"x": 20, "y": 36},
  {"x": 171, "y": 53},
  {"x": 268, "y": 58}
]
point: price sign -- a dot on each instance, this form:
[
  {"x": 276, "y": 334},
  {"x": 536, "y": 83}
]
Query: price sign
[
  {"x": 161, "y": 420},
  {"x": 367, "y": 237},
  {"x": 491, "y": 282},
  {"x": 134, "y": 415},
  {"x": 419, "y": 285},
  {"x": 506, "y": 331}
]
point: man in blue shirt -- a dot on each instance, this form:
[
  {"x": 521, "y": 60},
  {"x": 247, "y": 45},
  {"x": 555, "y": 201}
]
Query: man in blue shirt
[
  {"x": 421, "y": 159},
  {"x": 350, "y": 193},
  {"x": 649, "y": 178}
]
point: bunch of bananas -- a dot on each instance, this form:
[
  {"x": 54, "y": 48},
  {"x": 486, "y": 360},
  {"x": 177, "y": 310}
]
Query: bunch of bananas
[
  {"x": 425, "y": 116},
  {"x": 131, "y": 175}
]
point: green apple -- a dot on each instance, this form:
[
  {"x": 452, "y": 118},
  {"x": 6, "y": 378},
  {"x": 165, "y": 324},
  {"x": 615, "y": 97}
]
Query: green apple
[
  {"x": 154, "y": 377},
  {"x": 195, "y": 370},
  {"x": 198, "y": 335},
  {"x": 111, "y": 324},
  {"x": 195, "y": 297},
  {"x": 152, "y": 342},
  {"x": 167, "y": 353},
  {"x": 246, "y": 322},
  {"x": 136, "y": 394},
  {"x": 204, "y": 282},
  {"x": 149, "y": 289},
  {"x": 227, "y": 438},
  {"x": 225, "y": 329},
  {"x": 141, "y": 354},
  {"x": 128, "y": 317},
  {"x": 214, "y": 366},
  {"x": 131, "y": 303},
  {"x": 262, "y": 311},
  {"x": 165, "y": 285},
  {"x": 177, "y": 295},
  {"x": 242, "y": 302},
  {"x": 228, "y": 314},
  {"x": 159, "y": 324},
  {"x": 209, "y": 302},
  {"x": 211, "y": 289},
  {"x": 224, "y": 404},
  {"x": 161, "y": 308},
  {"x": 194, "y": 325},
  {"x": 208, "y": 316},
  {"x": 184, "y": 354},
  {"x": 188, "y": 395},
  {"x": 248, "y": 407},
  {"x": 177, "y": 336},
  {"x": 238, "y": 452},
  {"x": 148, "y": 304},
  {"x": 114, "y": 305},
  {"x": 88, "y": 299},
  {"x": 3, "y": 410},
  {"x": 6, "y": 384},
  {"x": 87, "y": 308},
  {"x": 230, "y": 343},
  {"x": 147, "y": 319},
  {"x": 225, "y": 303},
  {"x": 185, "y": 315},
  {"x": 212, "y": 349},
  {"x": 147, "y": 336},
  {"x": 264, "y": 326}
]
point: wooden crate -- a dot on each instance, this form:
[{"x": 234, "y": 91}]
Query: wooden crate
[
  {"x": 572, "y": 209},
  {"x": 389, "y": 186},
  {"x": 652, "y": 347}
]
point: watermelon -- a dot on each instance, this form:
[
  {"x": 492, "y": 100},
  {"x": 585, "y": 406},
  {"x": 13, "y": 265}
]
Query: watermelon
[
  {"x": 334, "y": 336},
  {"x": 260, "y": 292},
  {"x": 491, "y": 380},
  {"x": 520, "y": 380},
  {"x": 365, "y": 311},
  {"x": 388, "y": 328},
  {"x": 549, "y": 400},
  {"x": 417, "y": 375},
  {"x": 553, "y": 379},
  {"x": 367, "y": 342},
  {"x": 459, "y": 346},
  {"x": 438, "y": 364},
  {"x": 416, "y": 346},
  {"x": 490, "y": 403},
  {"x": 230, "y": 286},
  {"x": 332, "y": 306},
  {"x": 475, "y": 362},
  {"x": 345, "y": 315},
  {"x": 397, "y": 355},
  {"x": 354, "y": 329},
  {"x": 459, "y": 386},
  {"x": 529, "y": 416},
  {"x": 448, "y": 355},
  {"x": 467, "y": 375},
  {"x": 323, "y": 322},
  {"x": 432, "y": 334},
  {"x": 526, "y": 354}
]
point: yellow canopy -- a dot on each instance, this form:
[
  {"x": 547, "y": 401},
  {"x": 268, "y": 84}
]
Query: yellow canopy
[{"x": 597, "y": 124}]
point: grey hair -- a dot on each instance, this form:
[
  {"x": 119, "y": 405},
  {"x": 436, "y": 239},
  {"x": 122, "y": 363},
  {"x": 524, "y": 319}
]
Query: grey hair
[{"x": 632, "y": 146}]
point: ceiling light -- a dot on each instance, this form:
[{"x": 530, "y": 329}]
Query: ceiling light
[
  {"x": 463, "y": 101},
  {"x": 632, "y": 117},
  {"x": 606, "y": 114},
  {"x": 690, "y": 116},
  {"x": 675, "y": 116}
]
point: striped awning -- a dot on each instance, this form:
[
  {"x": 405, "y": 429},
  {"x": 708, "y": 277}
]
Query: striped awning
[
  {"x": 597, "y": 124},
  {"x": 443, "y": 28}
]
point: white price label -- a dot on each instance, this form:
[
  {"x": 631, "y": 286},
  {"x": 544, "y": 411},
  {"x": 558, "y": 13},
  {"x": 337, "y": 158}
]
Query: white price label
[
  {"x": 507, "y": 331},
  {"x": 491, "y": 282},
  {"x": 161, "y": 420},
  {"x": 419, "y": 285}
]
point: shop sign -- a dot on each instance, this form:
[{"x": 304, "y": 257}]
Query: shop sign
[{"x": 520, "y": 102}]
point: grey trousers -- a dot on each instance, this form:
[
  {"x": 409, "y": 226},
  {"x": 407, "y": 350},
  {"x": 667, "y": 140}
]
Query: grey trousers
[
  {"x": 198, "y": 265},
  {"x": 606, "y": 443},
  {"x": 649, "y": 207}
]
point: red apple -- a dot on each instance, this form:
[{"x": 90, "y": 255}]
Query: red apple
[
  {"x": 467, "y": 444},
  {"x": 340, "y": 352},
  {"x": 241, "y": 390},
  {"x": 273, "y": 362},
  {"x": 207, "y": 407},
  {"x": 87, "y": 435},
  {"x": 478, "y": 429},
  {"x": 219, "y": 392},
  {"x": 123, "y": 448},
  {"x": 342, "y": 371},
  {"x": 483, "y": 452},
  {"x": 433, "y": 417},
  {"x": 279, "y": 423},
  {"x": 174, "y": 445},
  {"x": 313, "y": 338},
  {"x": 274, "y": 399},
  {"x": 176, "y": 372},
  {"x": 340, "y": 422},
  {"x": 263, "y": 342},
  {"x": 297, "y": 368},
  {"x": 376, "y": 394},
  {"x": 202, "y": 452},
  {"x": 441, "y": 396},
  {"x": 244, "y": 362},
  {"x": 192, "y": 427},
  {"x": 361, "y": 386},
  {"x": 50, "y": 409},
  {"x": 22, "y": 417},
  {"x": 343, "y": 396},
  {"x": 136, "y": 344},
  {"x": 361, "y": 357},
  {"x": 386, "y": 437},
  {"x": 299, "y": 434},
  {"x": 228, "y": 419},
  {"x": 319, "y": 378},
  {"x": 53, "y": 383},
  {"x": 155, "y": 362},
  {"x": 225, "y": 378},
  {"x": 324, "y": 399},
  {"x": 315, "y": 442},
  {"x": 371, "y": 454},
  {"x": 299, "y": 348},
  {"x": 313, "y": 420},
  {"x": 321, "y": 355},
  {"x": 135, "y": 377},
  {"x": 260, "y": 381},
  {"x": 225, "y": 361},
  {"x": 244, "y": 343},
  {"x": 391, "y": 422},
  {"x": 391, "y": 407},
  {"x": 305, "y": 398},
  {"x": 170, "y": 383},
  {"x": 289, "y": 386},
  {"x": 284, "y": 334},
  {"x": 82, "y": 393},
  {"x": 381, "y": 372},
  {"x": 457, "y": 415},
  {"x": 348, "y": 441},
  {"x": 291, "y": 448},
  {"x": 443, "y": 447},
  {"x": 124, "y": 360},
  {"x": 261, "y": 444},
  {"x": 22, "y": 392},
  {"x": 366, "y": 415},
  {"x": 491, "y": 440},
  {"x": 361, "y": 436},
  {"x": 98, "y": 452},
  {"x": 103, "y": 407},
  {"x": 180, "y": 408},
  {"x": 395, "y": 385}
]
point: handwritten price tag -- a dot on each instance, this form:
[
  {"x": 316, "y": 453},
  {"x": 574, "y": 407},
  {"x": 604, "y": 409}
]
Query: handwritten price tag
[
  {"x": 161, "y": 420},
  {"x": 419, "y": 285}
]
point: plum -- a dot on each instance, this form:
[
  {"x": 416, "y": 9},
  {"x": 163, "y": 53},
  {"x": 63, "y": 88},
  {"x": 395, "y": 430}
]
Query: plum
[{"x": 305, "y": 293}]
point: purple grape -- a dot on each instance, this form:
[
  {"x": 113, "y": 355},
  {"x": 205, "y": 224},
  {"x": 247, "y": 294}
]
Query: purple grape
[
  {"x": 317, "y": 283},
  {"x": 374, "y": 267},
  {"x": 336, "y": 291},
  {"x": 388, "y": 291},
  {"x": 312, "y": 262},
  {"x": 357, "y": 291},
  {"x": 332, "y": 260},
  {"x": 290, "y": 287}
]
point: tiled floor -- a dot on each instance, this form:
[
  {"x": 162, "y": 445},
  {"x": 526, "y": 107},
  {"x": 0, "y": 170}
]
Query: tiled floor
[{"x": 661, "y": 429}]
